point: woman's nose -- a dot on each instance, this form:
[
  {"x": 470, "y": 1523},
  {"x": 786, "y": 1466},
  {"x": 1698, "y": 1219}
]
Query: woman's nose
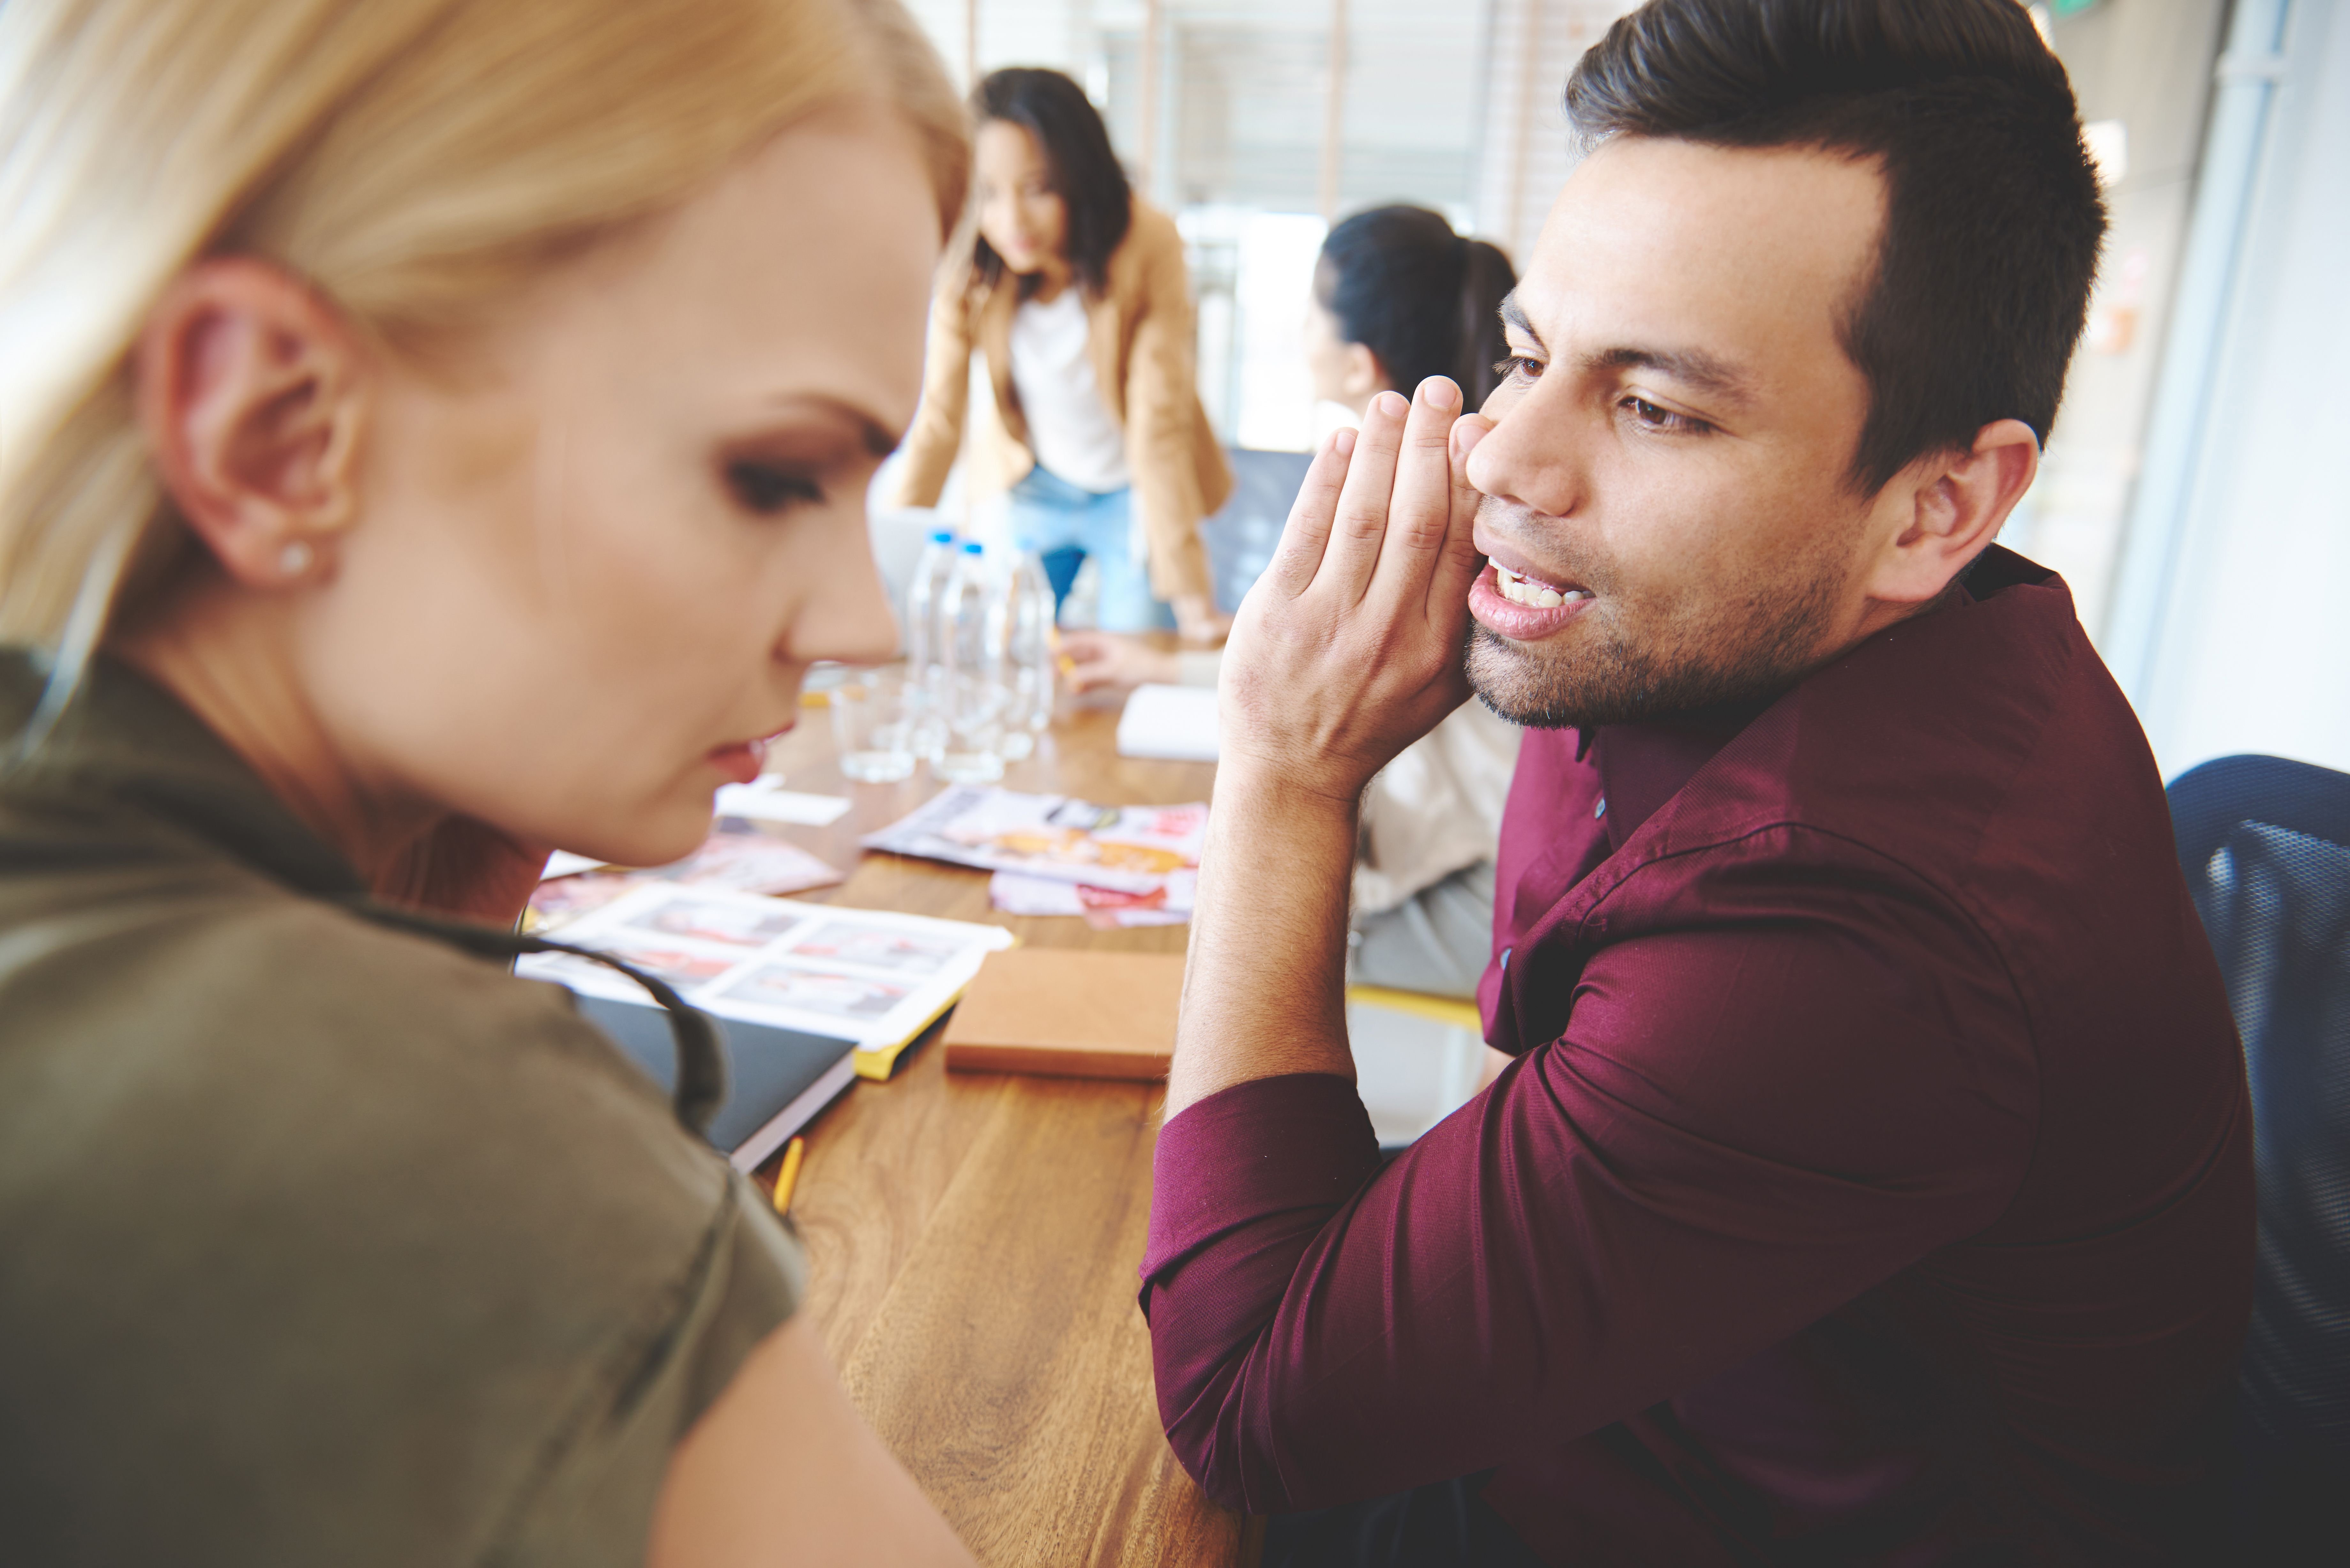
[{"x": 847, "y": 617}]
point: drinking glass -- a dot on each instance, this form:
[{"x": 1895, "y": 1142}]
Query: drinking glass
[
  {"x": 975, "y": 723},
  {"x": 870, "y": 727}
]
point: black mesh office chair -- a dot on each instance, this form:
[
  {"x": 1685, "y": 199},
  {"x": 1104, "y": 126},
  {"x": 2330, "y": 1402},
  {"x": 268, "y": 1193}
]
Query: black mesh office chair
[
  {"x": 1240, "y": 538},
  {"x": 2265, "y": 843}
]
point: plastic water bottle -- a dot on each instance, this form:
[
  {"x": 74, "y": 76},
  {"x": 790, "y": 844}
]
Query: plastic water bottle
[
  {"x": 925, "y": 597},
  {"x": 1029, "y": 652},
  {"x": 971, "y": 666}
]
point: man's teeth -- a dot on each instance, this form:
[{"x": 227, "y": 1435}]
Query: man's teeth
[{"x": 1520, "y": 590}]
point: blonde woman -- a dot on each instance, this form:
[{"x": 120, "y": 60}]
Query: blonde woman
[
  {"x": 1076, "y": 297},
  {"x": 435, "y": 430}
]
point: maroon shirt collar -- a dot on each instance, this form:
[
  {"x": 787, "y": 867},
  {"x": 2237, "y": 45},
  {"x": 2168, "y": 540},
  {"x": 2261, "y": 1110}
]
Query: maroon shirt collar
[{"x": 1644, "y": 763}]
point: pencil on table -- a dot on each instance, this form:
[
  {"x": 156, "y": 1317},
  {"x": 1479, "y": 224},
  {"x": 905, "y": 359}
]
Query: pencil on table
[{"x": 789, "y": 1175}]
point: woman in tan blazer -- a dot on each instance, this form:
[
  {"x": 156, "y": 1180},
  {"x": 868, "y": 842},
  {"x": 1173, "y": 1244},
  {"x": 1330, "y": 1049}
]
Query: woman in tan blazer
[{"x": 1076, "y": 294}]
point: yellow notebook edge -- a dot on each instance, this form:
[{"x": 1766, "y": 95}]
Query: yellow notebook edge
[
  {"x": 877, "y": 1063},
  {"x": 1443, "y": 1009}
]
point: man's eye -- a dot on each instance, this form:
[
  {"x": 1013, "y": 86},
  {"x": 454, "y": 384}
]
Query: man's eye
[
  {"x": 766, "y": 489},
  {"x": 1518, "y": 366},
  {"x": 1651, "y": 417}
]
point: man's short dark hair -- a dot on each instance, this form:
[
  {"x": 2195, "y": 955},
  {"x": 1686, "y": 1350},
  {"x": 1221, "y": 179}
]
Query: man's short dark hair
[{"x": 1992, "y": 216}]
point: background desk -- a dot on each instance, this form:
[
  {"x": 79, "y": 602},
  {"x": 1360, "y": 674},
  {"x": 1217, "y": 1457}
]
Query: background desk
[{"x": 974, "y": 1237}]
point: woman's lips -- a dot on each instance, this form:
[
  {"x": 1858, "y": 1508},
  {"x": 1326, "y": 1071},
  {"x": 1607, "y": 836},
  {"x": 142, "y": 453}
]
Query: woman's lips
[
  {"x": 742, "y": 761},
  {"x": 1518, "y": 621}
]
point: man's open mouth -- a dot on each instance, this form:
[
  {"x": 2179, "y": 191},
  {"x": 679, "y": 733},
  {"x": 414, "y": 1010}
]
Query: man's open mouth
[{"x": 1524, "y": 590}]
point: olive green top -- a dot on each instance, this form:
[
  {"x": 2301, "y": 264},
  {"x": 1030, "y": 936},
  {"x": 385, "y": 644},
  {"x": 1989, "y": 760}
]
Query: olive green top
[{"x": 319, "y": 1241}]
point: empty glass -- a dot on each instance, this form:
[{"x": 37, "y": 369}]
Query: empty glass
[
  {"x": 870, "y": 727},
  {"x": 974, "y": 724}
]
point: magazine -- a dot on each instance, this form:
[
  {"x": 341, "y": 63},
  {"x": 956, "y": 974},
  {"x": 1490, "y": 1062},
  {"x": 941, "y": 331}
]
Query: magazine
[
  {"x": 1104, "y": 909},
  {"x": 736, "y": 856},
  {"x": 870, "y": 978},
  {"x": 1125, "y": 849}
]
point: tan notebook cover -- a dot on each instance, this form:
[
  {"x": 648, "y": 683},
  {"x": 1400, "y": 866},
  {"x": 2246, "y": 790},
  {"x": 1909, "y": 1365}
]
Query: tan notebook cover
[{"x": 1068, "y": 1014}]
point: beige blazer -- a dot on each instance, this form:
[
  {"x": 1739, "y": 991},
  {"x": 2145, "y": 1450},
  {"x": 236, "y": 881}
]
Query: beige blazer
[{"x": 1143, "y": 348}]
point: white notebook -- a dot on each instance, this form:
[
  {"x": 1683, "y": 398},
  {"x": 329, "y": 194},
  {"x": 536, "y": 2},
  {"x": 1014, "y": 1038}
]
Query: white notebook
[{"x": 1168, "y": 724}]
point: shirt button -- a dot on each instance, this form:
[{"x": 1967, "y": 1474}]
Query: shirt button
[{"x": 1600, "y": 810}]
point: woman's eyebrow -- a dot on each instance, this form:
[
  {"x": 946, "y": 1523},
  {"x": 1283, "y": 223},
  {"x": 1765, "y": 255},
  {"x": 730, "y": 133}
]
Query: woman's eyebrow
[{"x": 876, "y": 435}]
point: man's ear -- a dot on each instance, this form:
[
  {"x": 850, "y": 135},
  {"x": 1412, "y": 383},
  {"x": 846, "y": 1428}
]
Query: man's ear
[
  {"x": 1939, "y": 513},
  {"x": 252, "y": 395}
]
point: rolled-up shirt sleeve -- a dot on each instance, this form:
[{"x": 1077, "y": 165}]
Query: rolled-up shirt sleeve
[{"x": 1740, "y": 1130}]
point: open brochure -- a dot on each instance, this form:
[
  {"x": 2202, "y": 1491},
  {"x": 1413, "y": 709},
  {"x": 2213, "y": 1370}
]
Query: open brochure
[
  {"x": 737, "y": 855},
  {"x": 1131, "y": 848},
  {"x": 871, "y": 978}
]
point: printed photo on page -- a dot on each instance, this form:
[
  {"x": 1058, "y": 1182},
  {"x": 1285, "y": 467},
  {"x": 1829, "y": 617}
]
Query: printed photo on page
[
  {"x": 738, "y": 856},
  {"x": 727, "y": 922},
  {"x": 874, "y": 947},
  {"x": 1130, "y": 849},
  {"x": 863, "y": 975},
  {"x": 789, "y": 988}
]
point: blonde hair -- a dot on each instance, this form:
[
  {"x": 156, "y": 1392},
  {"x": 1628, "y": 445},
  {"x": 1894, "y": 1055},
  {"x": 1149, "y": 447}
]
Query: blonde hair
[{"x": 413, "y": 160}]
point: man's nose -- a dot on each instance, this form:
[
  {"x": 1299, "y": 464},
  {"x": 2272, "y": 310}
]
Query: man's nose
[{"x": 1534, "y": 456}]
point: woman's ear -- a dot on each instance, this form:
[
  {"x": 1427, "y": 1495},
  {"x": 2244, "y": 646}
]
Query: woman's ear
[
  {"x": 1365, "y": 377},
  {"x": 253, "y": 394}
]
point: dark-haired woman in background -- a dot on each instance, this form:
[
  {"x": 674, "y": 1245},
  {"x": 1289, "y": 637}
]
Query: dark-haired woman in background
[
  {"x": 1398, "y": 298},
  {"x": 1076, "y": 296}
]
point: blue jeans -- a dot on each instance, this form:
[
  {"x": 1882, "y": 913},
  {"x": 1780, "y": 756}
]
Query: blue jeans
[{"x": 1064, "y": 524}]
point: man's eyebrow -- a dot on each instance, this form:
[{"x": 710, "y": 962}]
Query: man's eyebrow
[
  {"x": 1691, "y": 367},
  {"x": 1515, "y": 315}
]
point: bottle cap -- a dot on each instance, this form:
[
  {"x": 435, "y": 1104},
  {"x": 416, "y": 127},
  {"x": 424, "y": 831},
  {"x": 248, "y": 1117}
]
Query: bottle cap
[
  {"x": 973, "y": 548},
  {"x": 943, "y": 536}
]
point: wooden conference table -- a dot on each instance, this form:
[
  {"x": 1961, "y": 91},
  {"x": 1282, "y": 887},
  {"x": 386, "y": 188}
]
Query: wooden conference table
[{"x": 973, "y": 1238}]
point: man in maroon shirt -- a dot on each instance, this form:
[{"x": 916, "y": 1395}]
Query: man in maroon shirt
[{"x": 1872, "y": 1181}]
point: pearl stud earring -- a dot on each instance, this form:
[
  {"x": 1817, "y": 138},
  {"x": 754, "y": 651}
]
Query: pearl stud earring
[{"x": 294, "y": 558}]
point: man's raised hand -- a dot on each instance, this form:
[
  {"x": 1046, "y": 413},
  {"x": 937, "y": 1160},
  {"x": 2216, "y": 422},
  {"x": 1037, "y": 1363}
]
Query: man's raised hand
[{"x": 1348, "y": 648}]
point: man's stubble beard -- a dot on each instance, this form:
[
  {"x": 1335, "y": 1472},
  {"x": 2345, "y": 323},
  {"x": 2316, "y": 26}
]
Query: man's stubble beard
[{"x": 1748, "y": 645}]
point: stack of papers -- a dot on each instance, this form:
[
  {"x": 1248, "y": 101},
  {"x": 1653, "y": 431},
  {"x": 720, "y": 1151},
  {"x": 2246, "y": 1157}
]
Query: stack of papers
[{"x": 1056, "y": 855}]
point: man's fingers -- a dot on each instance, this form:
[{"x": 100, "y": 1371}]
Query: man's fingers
[
  {"x": 1308, "y": 533},
  {"x": 1457, "y": 568},
  {"x": 1419, "y": 509},
  {"x": 1362, "y": 520}
]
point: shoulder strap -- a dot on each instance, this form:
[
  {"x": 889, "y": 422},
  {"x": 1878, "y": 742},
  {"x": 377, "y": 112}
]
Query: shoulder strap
[{"x": 701, "y": 1064}]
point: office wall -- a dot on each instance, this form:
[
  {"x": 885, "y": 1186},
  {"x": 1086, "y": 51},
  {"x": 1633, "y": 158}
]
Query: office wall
[
  {"x": 1531, "y": 45},
  {"x": 2251, "y": 647},
  {"x": 2142, "y": 71}
]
